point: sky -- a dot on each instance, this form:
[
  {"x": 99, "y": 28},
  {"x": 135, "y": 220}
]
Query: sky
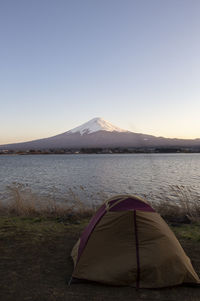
[{"x": 135, "y": 63}]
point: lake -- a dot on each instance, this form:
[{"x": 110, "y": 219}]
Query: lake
[{"x": 91, "y": 178}]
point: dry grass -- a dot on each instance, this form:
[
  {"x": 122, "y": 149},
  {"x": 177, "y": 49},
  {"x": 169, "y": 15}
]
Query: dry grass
[
  {"x": 182, "y": 206},
  {"x": 23, "y": 202}
]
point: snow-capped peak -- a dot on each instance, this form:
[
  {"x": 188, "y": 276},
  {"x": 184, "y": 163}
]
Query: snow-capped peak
[{"x": 95, "y": 125}]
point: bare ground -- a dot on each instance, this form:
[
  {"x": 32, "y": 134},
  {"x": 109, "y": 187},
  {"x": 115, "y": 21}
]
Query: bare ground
[{"x": 35, "y": 265}]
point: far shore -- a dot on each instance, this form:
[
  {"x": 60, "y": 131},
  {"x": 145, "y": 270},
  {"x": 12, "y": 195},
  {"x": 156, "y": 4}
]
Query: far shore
[{"x": 138, "y": 150}]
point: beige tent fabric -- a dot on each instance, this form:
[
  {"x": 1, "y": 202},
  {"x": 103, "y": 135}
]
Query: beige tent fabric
[
  {"x": 162, "y": 259},
  {"x": 110, "y": 255},
  {"x": 74, "y": 253}
]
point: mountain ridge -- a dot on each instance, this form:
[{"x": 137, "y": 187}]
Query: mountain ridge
[{"x": 98, "y": 132}]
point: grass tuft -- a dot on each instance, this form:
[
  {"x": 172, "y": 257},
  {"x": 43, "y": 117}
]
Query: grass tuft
[
  {"x": 24, "y": 203},
  {"x": 181, "y": 205}
]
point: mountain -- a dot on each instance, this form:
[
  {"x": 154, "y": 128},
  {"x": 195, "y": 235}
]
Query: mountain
[{"x": 100, "y": 133}]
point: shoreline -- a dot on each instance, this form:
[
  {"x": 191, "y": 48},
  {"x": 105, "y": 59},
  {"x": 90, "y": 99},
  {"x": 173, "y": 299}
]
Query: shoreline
[{"x": 100, "y": 151}]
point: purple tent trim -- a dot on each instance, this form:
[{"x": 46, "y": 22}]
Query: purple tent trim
[
  {"x": 88, "y": 230},
  {"x": 110, "y": 203},
  {"x": 132, "y": 204}
]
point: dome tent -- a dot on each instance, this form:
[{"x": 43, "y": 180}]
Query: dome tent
[{"x": 128, "y": 243}]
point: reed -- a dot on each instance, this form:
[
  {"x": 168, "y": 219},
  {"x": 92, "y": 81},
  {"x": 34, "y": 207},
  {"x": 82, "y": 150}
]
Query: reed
[
  {"x": 23, "y": 202},
  {"x": 181, "y": 205}
]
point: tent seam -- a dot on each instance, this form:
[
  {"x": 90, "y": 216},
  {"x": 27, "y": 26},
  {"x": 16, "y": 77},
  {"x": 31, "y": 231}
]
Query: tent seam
[{"x": 137, "y": 252}]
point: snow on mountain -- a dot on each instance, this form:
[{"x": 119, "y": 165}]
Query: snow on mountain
[{"x": 95, "y": 125}]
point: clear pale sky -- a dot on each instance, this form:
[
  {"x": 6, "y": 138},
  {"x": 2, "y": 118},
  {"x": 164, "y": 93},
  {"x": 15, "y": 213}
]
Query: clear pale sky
[{"x": 135, "y": 63}]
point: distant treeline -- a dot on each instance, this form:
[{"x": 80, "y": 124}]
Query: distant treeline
[{"x": 117, "y": 150}]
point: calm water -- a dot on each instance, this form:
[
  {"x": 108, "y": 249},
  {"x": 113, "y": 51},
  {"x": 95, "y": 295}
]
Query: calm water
[{"x": 93, "y": 177}]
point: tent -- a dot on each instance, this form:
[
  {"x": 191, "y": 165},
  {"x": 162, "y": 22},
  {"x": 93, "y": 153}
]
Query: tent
[{"x": 128, "y": 243}]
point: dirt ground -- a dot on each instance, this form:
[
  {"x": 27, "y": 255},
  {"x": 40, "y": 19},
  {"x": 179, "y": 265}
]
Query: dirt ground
[{"x": 35, "y": 265}]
